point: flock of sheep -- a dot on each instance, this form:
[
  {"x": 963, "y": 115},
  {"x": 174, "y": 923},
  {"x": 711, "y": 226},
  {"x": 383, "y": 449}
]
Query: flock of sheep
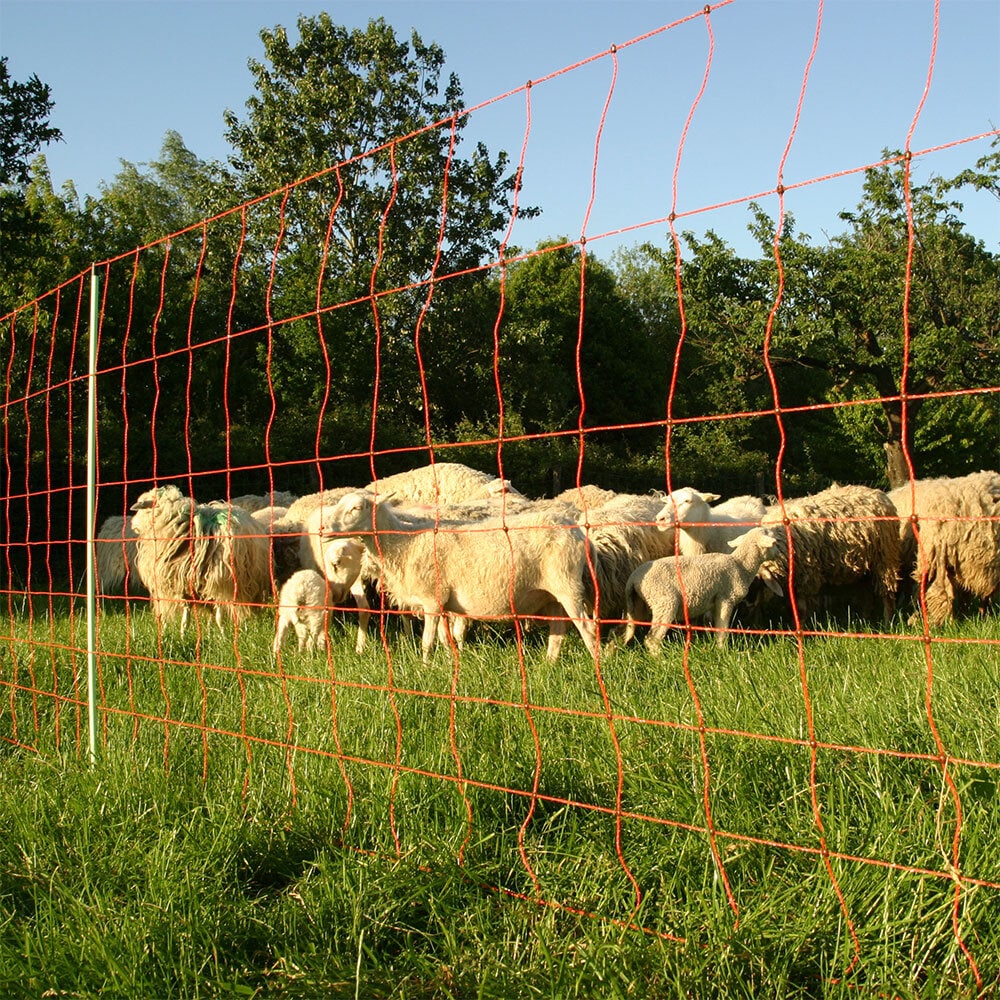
[{"x": 450, "y": 544}]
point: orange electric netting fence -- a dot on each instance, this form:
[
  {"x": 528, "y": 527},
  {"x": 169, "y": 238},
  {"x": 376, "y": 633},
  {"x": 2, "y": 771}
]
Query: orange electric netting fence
[{"x": 566, "y": 784}]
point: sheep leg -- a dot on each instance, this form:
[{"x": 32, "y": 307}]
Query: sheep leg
[
  {"x": 721, "y": 618},
  {"x": 573, "y": 609},
  {"x": 361, "y": 599},
  {"x": 654, "y": 640},
  {"x": 629, "y": 633},
  {"x": 452, "y": 627},
  {"x": 430, "y": 634},
  {"x": 459, "y": 626},
  {"x": 557, "y": 632},
  {"x": 284, "y": 623}
]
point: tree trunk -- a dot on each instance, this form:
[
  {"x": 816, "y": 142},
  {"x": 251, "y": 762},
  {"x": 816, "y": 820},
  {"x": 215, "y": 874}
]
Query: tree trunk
[{"x": 896, "y": 470}]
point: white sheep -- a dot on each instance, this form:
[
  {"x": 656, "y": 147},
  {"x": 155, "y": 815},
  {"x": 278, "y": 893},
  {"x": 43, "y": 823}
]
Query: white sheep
[
  {"x": 585, "y": 496},
  {"x": 622, "y": 534},
  {"x": 709, "y": 584},
  {"x": 347, "y": 568},
  {"x": 252, "y": 503},
  {"x": 338, "y": 562},
  {"x": 702, "y": 528},
  {"x": 302, "y": 607},
  {"x": 441, "y": 483},
  {"x": 958, "y": 523},
  {"x": 186, "y": 552},
  {"x": 839, "y": 536},
  {"x": 300, "y": 509},
  {"x": 115, "y": 552},
  {"x": 493, "y": 569}
]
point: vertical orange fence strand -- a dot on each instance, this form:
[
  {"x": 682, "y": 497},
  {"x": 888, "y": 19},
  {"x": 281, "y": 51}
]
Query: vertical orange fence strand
[
  {"x": 682, "y": 334},
  {"x": 943, "y": 756},
  {"x": 799, "y": 637}
]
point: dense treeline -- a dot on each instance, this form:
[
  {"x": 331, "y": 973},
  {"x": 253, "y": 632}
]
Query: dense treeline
[{"x": 242, "y": 354}]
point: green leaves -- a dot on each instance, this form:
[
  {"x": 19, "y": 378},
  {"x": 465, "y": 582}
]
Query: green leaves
[{"x": 24, "y": 124}]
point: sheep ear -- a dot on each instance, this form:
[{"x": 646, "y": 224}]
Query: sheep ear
[
  {"x": 711, "y": 497},
  {"x": 388, "y": 497},
  {"x": 773, "y": 586}
]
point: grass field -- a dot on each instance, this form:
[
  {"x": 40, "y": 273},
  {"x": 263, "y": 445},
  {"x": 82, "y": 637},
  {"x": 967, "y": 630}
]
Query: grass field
[{"x": 347, "y": 827}]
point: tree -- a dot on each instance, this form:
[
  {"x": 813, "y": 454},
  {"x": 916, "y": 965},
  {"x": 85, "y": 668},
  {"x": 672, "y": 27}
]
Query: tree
[
  {"x": 391, "y": 203},
  {"x": 24, "y": 129},
  {"x": 950, "y": 336},
  {"x": 24, "y": 124},
  {"x": 838, "y": 337}
]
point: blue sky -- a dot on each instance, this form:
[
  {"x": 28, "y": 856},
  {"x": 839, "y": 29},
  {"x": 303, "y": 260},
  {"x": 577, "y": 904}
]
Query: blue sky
[{"x": 123, "y": 73}]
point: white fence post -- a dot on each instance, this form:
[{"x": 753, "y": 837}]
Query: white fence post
[{"x": 91, "y": 505}]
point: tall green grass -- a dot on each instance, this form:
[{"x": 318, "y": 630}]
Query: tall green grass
[{"x": 444, "y": 840}]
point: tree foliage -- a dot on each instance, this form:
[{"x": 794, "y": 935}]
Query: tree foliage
[{"x": 343, "y": 305}]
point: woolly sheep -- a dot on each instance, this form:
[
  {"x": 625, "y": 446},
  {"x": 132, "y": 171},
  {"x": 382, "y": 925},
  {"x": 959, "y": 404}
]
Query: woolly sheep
[
  {"x": 187, "y": 552},
  {"x": 585, "y": 496},
  {"x": 302, "y": 608},
  {"x": 710, "y": 584},
  {"x": 492, "y": 569},
  {"x": 301, "y": 508},
  {"x": 839, "y": 536},
  {"x": 115, "y": 552},
  {"x": 252, "y": 503},
  {"x": 622, "y": 535},
  {"x": 702, "y": 528},
  {"x": 441, "y": 483},
  {"x": 954, "y": 555},
  {"x": 316, "y": 552},
  {"x": 347, "y": 569}
]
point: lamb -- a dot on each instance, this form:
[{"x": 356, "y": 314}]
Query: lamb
[
  {"x": 702, "y": 528},
  {"x": 188, "y": 552},
  {"x": 710, "y": 584},
  {"x": 302, "y": 607},
  {"x": 492, "y": 569},
  {"x": 838, "y": 536},
  {"x": 115, "y": 553},
  {"x": 441, "y": 483},
  {"x": 622, "y": 534},
  {"x": 955, "y": 556}
]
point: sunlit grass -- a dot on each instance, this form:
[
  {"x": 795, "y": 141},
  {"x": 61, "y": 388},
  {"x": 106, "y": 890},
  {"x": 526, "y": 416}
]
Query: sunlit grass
[{"x": 349, "y": 825}]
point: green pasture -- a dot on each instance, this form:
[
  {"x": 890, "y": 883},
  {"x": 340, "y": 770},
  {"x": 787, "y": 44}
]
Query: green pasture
[{"x": 362, "y": 826}]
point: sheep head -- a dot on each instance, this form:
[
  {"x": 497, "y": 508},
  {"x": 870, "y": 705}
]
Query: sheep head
[
  {"x": 157, "y": 502},
  {"x": 353, "y": 514},
  {"x": 769, "y": 547},
  {"x": 760, "y": 537},
  {"x": 157, "y": 495},
  {"x": 679, "y": 505},
  {"x": 342, "y": 561}
]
